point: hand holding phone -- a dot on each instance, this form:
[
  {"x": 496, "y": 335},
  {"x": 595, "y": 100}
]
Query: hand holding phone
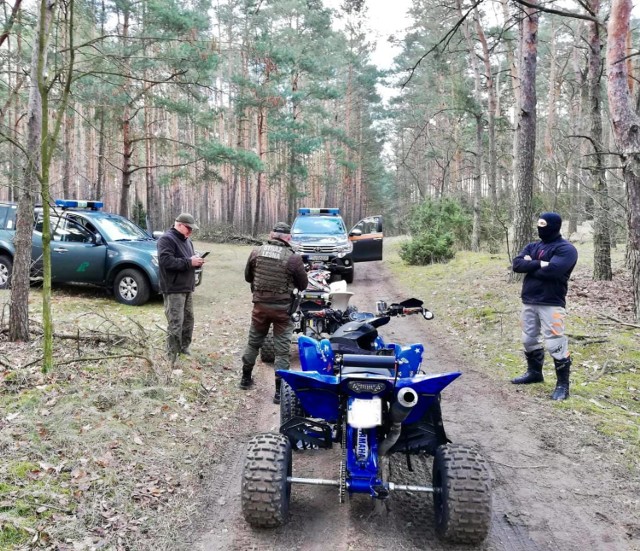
[{"x": 204, "y": 254}]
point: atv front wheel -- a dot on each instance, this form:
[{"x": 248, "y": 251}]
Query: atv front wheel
[
  {"x": 462, "y": 496},
  {"x": 265, "y": 490},
  {"x": 268, "y": 349}
]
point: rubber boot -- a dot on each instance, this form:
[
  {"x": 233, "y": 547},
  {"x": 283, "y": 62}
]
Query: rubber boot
[
  {"x": 246, "y": 381},
  {"x": 535, "y": 360},
  {"x": 276, "y": 396},
  {"x": 563, "y": 369}
]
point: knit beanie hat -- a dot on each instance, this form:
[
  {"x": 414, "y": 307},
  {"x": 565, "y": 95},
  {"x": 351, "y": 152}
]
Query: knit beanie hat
[
  {"x": 282, "y": 227},
  {"x": 549, "y": 225}
]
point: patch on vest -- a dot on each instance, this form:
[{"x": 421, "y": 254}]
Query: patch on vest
[{"x": 271, "y": 251}]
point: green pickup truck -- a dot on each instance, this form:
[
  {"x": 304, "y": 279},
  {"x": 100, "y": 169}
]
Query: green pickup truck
[{"x": 88, "y": 246}]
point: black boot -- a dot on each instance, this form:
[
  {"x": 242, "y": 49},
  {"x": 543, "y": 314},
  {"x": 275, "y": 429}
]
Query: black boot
[
  {"x": 563, "y": 368},
  {"x": 535, "y": 359},
  {"x": 276, "y": 396},
  {"x": 246, "y": 382}
]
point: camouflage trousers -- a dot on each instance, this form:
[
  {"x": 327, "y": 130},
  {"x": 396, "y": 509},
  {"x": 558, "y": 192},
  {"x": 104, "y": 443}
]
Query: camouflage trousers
[
  {"x": 262, "y": 317},
  {"x": 178, "y": 308}
]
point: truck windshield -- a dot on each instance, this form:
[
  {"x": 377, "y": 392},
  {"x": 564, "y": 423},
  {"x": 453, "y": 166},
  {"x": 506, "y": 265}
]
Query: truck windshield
[
  {"x": 118, "y": 228},
  {"x": 325, "y": 225}
]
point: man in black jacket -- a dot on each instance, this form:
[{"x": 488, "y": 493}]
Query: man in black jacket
[
  {"x": 273, "y": 270},
  {"x": 548, "y": 264},
  {"x": 178, "y": 262}
]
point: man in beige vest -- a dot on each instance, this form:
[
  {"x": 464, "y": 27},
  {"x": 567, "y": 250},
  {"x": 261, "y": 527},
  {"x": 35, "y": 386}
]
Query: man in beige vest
[{"x": 274, "y": 271}]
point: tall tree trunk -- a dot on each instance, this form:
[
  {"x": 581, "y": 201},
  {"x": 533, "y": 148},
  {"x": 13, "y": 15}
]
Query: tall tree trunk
[
  {"x": 68, "y": 158},
  {"x": 549, "y": 131},
  {"x": 492, "y": 112},
  {"x": 573, "y": 168},
  {"x": 601, "y": 237},
  {"x": 19, "y": 312},
  {"x": 478, "y": 159},
  {"x": 626, "y": 126},
  {"x": 125, "y": 124},
  {"x": 262, "y": 116},
  {"x": 526, "y": 132}
]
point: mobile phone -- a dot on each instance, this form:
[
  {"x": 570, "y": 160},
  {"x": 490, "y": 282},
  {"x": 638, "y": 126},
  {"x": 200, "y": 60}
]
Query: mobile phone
[{"x": 204, "y": 254}]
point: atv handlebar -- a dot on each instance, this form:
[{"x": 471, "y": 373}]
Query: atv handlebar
[
  {"x": 399, "y": 310},
  {"x": 381, "y": 310}
]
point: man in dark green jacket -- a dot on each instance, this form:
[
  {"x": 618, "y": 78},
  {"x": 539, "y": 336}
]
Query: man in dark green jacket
[{"x": 178, "y": 262}]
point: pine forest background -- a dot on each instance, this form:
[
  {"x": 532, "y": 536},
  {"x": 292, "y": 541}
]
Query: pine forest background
[{"x": 241, "y": 111}]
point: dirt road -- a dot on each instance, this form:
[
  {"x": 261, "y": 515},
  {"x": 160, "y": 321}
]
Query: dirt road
[{"x": 553, "y": 485}]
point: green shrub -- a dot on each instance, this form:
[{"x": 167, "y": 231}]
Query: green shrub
[
  {"x": 440, "y": 217},
  {"x": 437, "y": 228},
  {"x": 428, "y": 248}
]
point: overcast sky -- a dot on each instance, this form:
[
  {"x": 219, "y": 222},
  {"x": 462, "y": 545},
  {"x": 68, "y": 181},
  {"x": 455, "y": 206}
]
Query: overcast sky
[{"x": 385, "y": 17}]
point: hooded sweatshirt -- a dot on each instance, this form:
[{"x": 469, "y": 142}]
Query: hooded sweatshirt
[{"x": 548, "y": 285}]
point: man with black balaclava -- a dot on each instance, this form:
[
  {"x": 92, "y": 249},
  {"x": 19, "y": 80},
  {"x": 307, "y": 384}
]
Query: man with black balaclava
[
  {"x": 548, "y": 264},
  {"x": 273, "y": 270}
]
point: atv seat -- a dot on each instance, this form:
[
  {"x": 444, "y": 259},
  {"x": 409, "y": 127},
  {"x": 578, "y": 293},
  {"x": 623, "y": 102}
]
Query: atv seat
[{"x": 364, "y": 363}]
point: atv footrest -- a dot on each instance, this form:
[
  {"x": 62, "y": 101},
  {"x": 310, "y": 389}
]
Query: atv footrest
[
  {"x": 420, "y": 438},
  {"x": 312, "y": 433}
]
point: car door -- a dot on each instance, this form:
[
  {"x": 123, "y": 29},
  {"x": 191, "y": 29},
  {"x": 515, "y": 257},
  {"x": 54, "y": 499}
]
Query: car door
[
  {"x": 367, "y": 238},
  {"x": 75, "y": 256}
]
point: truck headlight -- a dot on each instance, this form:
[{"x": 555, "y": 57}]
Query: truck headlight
[{"x": 344, "y": 249}]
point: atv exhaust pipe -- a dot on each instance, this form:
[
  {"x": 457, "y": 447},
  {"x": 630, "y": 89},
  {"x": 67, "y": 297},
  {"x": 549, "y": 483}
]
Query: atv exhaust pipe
[{"x": 407, "y": 398}]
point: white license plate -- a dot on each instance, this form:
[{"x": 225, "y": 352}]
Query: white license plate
[
  {"x": 318, "y": 257},
  {"x": 364, "y": 414}
]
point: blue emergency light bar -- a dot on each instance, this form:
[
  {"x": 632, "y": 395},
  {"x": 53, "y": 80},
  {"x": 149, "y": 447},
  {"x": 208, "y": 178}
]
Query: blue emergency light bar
[
  {"x": 332, "y": 212},
  {"x": 74, "y": 204}
]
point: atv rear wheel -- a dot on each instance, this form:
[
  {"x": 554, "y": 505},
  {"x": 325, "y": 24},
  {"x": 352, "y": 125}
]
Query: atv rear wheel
[
  {"x": 265, "y": 490},
  {"x": 268, "y": 349},
  {"x": 290, "y": 405},
  {"x": 462, "y": 496}
]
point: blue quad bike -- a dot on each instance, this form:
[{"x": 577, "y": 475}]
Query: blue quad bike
[{"x": 374, "y": 401}]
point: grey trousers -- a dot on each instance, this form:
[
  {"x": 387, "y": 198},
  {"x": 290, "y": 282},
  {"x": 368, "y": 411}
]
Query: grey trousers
[
  {"x": 178, "y": 307},
  {"x": 544, "y": 326}
]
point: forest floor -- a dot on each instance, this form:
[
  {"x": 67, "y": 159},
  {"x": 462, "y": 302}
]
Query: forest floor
[{"x": 116, "y": 449}]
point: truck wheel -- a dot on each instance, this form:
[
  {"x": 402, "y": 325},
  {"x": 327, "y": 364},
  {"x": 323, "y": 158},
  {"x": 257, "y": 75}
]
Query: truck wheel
[
  {"x": 6, "y": 271},
  {"x": 290, "y": 405},
  {"x": 265, "y": 491},
  {"x": 131, "y": 287},
  {"x": 268, "y": 349},
  {"x": 462, "y": 495},
  {"x": 348, "y": 277}
]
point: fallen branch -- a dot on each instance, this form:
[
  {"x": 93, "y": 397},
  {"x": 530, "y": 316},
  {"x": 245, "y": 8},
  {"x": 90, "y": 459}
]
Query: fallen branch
[
  {"x": 621, "y": 322},
  {"x": 96, "y": 359},
  {"x": 519, "y": 466}
]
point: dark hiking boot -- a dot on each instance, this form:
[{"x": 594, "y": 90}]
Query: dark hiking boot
[
  {"x": 186, "y": 352},
  {"x": 535, "y": 360},
  {"x": 563, "y": 369},
  {"x": 276, "y": 396},
  {"x": 246, "y": 381}
]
